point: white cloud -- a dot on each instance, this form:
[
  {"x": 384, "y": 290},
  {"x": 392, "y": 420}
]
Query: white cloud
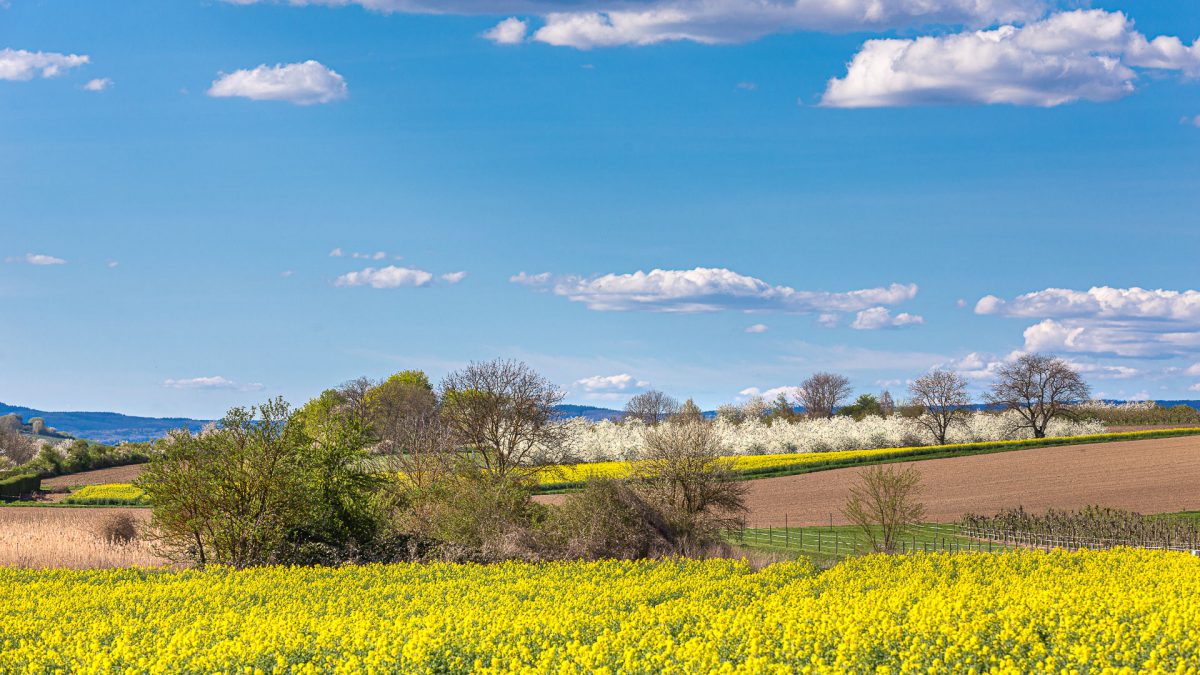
[
  {"x": 880, "y": 317},
  {"x": 746, "y": 86},
  {"x": 21, "y": 65},
  {"x": 98, "y": 84},
  {"x": 1098, "y": 302},
  {"x": 36, "y": 259},
  {"x": 532, "y": 280},
  {"x": 1131, "y": 322},
  {"x": 706, "y": 290},
  {"x": 1068, "y": 56},
  {"x": 211, "y": 383},
  {"x": 304, "y": 83},
  {"x": 287, "y": 274},
  {"x": 757, "y": 328},
  {"x": 378, "y": 255},
  {"x": 1121, "y": 338},
  {"x": 829, "y": 320},
  {"x": 386, "y": 277},
  {"x": 510, "y": 31},
  {"x": 1193, "y": 369},
  {"x": 585, "y": 24},
  {"x": 1194, "y": 387},
  {"x": 792, "y": 393},
  {"x": 336, "y": 253},
  {"x": 112, "y": 264},
  {"x": 1194, "y": 121},
  {"x": 611, "y": 383},
  {"x": 453, "y": 277}
]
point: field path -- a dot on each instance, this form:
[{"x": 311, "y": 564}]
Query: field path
[{"x": 1153, "y": 476}]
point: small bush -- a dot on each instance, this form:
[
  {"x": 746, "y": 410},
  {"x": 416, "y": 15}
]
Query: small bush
[
  {"x": 609, "y": 519},
  {"x": 19, "y": 486},
  {"x": 118, "y": 529}
]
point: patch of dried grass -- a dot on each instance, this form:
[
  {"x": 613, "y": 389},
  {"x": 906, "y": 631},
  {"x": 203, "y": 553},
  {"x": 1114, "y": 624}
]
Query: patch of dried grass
[{"x": 44, "y": 537}]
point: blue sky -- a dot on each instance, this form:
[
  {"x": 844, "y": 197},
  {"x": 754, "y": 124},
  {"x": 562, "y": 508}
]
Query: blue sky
[{"x": 169, "y": 204}]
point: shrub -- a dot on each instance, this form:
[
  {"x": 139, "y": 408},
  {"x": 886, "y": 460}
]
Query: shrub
[
  {"x": 118, "y": 529},
  {"x": 609, "y": 519},
  {"x": 19, "y": 486}
]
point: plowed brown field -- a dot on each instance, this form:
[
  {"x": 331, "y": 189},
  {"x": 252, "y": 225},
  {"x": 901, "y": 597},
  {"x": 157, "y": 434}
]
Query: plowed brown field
[{"x": 1152, "y": 476}]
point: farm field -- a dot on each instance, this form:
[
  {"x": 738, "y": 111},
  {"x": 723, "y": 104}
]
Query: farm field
[
  {"x": 116, "y": 474},
  {"x": 1011, "y": 612},
  {"x": 1151, "y": 476},
  {"x": 1148, "y": 476},
  {"x": 36, "y": 537}
]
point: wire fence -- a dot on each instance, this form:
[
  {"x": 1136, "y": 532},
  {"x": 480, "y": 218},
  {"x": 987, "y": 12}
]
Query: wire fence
[{"x": 839, "y": 541}]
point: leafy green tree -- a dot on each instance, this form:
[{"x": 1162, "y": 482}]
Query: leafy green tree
[
  {"x": 865, "y": 406},
  {"x": 258, "y": 488}
]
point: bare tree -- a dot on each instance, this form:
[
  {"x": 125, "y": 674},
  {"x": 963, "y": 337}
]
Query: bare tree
[
  {"x": 1039, "y": 388},
  {"x": 407, "y": 420},
  {"x": 883, "y": 504},
  {"x": 755, "y": 408},
  {"x": 14, "y": 445},
  {"x": 688, "y": 412},
  {"x": 354, "y": 396},
  {"x": 943, "y": 395},
  {"x": 686, "y": 476},
  {"x": 505, "y": 412},
  {"x": 651, "y": 407},
  {"x": 822, "y": 393},
  {"x": 887, "y": 405}
]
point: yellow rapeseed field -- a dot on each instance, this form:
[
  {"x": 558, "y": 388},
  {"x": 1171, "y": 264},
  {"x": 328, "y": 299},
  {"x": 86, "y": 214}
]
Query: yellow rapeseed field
[
  {"x": 108, "y": 493},
  {"x": 1117, "y": 611},
  {"x": 573, "y": 474}
]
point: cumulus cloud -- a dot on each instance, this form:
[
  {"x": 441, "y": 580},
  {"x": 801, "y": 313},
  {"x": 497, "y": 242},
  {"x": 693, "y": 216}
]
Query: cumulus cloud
[
  {"x": 36, "y": 259},
  {"x": 386, "y": 277},
  {"x": 706, "y": 290},
  {"x": 1066, "y": 57},
  {"x": 213, "y": 382},
  {"x": 510, "y": 31},
  {"x": 792, "y": 393},
  {"x": 586, "y": 24},
  {"x": 1132, "y": 322},
  {"x": 1193, "y": 369},
  {"x": 1120, "y": 338},
  {"x": 304, "y": 83},
  {"x": 757, "y": 328},
  {"x": 611, "y": 383},
  {"x": 1098, "y": 302},
  {"x": 1194, "y": 387},
  {"x": 880, "y": 317},
  {"x": 336, "y": 253},
  {"x": 453, "y": 277},
  {"x": 98, "y": 84},
  {"x": 20, "y": 65}
]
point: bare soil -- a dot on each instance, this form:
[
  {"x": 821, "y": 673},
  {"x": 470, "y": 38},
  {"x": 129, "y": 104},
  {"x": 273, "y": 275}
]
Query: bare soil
[
  {"x": 1151, "y": 476},
  {"x": 116, "y": 474}
]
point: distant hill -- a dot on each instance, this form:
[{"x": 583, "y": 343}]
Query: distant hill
[{"x": 107, "y": 427}]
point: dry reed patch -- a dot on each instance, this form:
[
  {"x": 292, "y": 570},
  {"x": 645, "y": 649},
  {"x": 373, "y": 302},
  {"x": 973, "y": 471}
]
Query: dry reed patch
[{"x": 37, "y": 537}]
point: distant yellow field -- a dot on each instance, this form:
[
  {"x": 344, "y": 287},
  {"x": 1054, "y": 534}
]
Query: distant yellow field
[{"x": 577, "y": 473}]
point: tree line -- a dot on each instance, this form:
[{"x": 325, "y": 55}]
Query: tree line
[
  {"x": 401, "y": 470},
  {"x": 1036, "y": 387}
]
